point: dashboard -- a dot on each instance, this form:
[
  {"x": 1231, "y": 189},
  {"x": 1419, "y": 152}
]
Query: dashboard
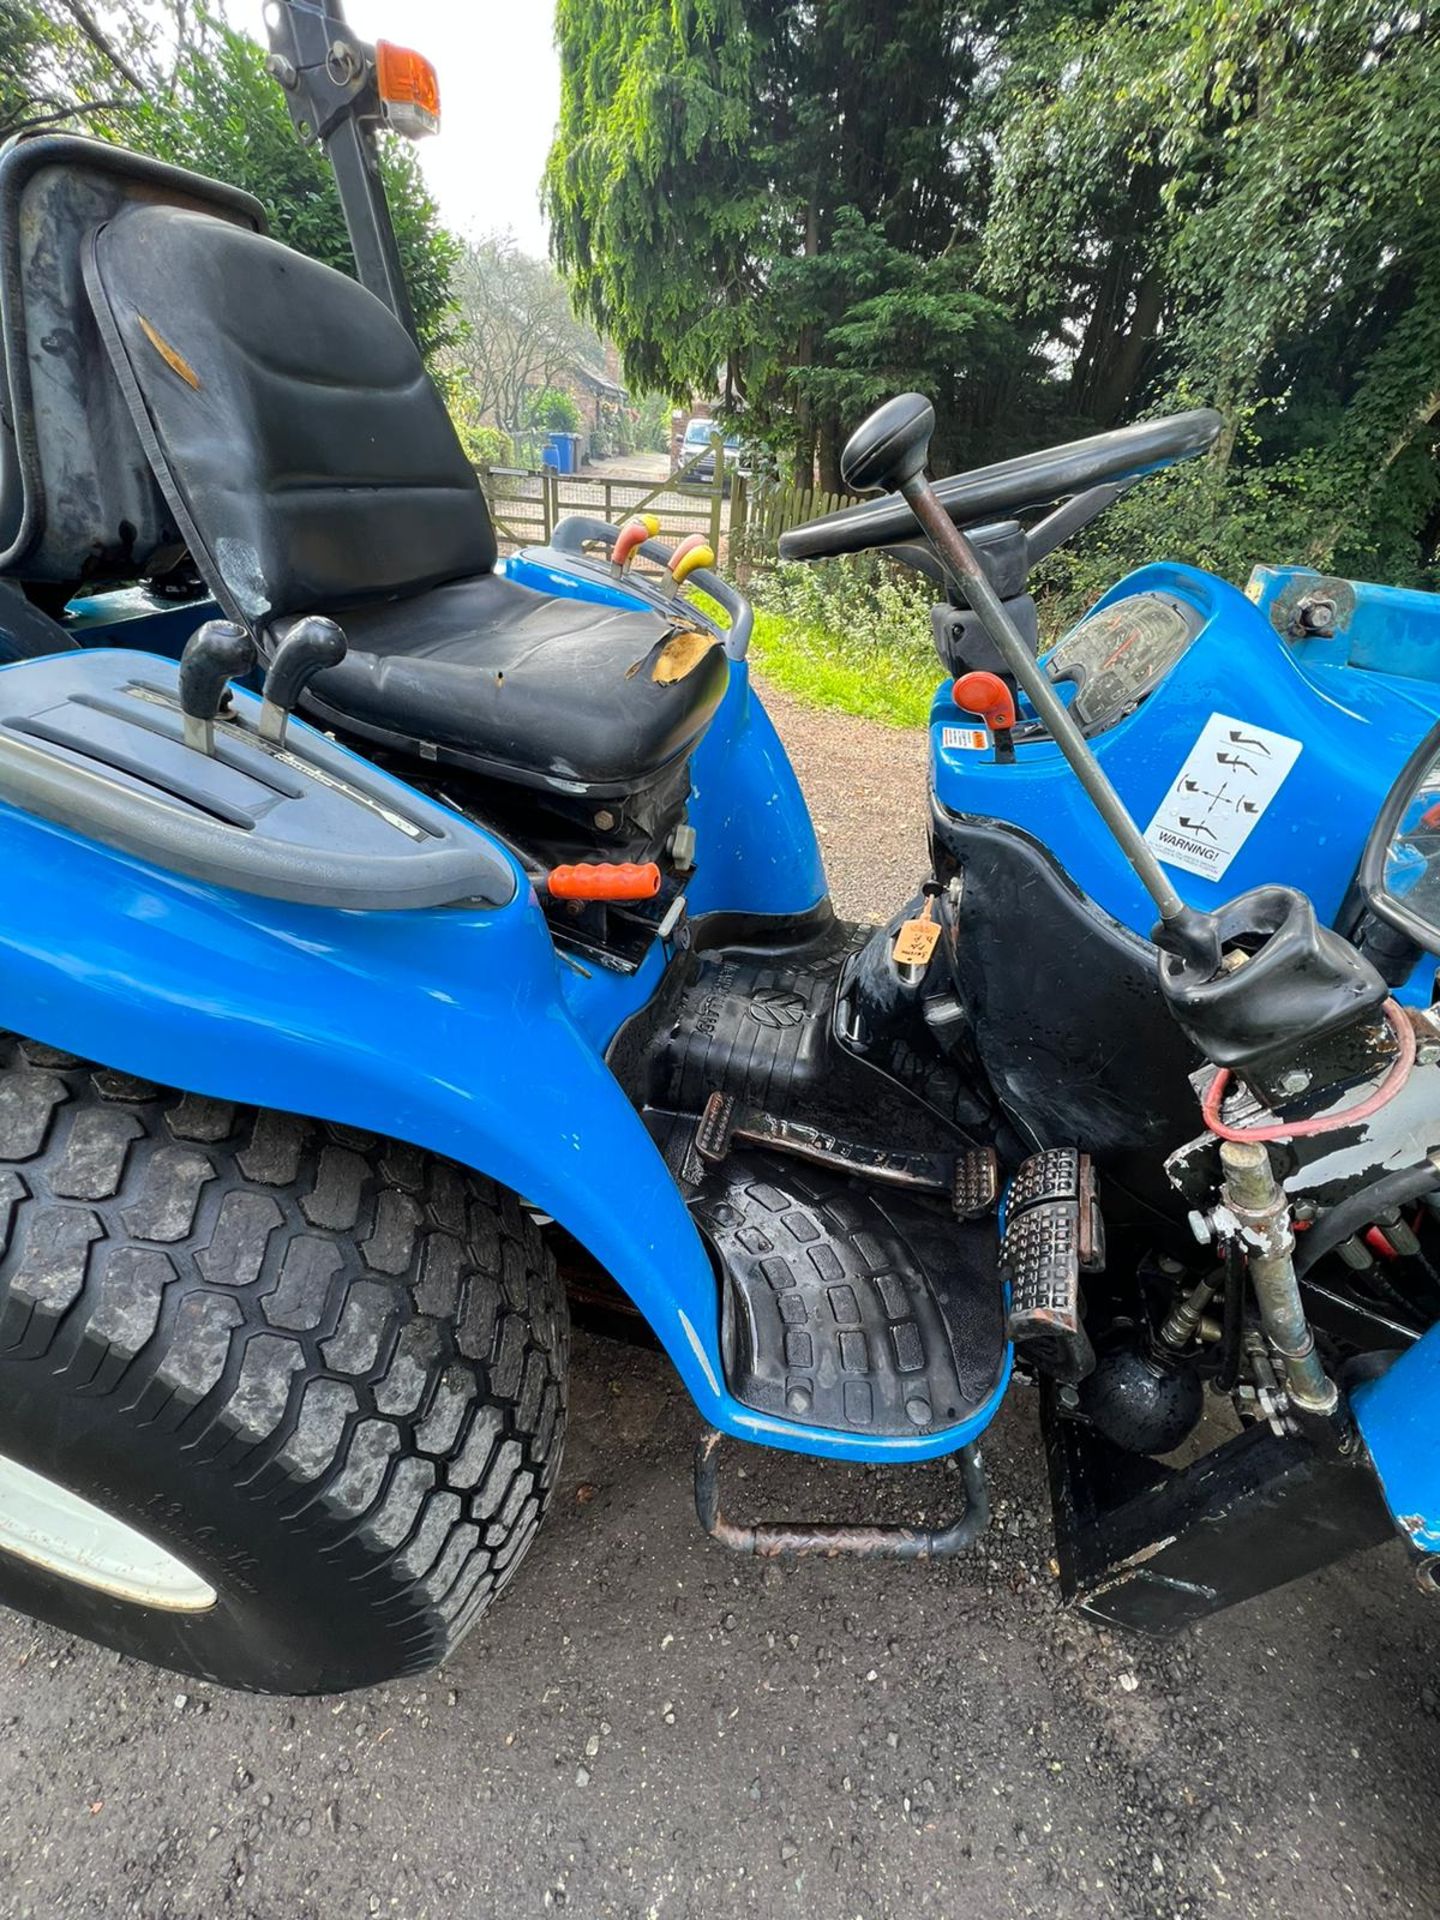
[{"x": 1120, "y": 653}]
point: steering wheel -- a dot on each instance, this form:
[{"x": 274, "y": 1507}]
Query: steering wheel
[{"x": 1103, "y": 467}]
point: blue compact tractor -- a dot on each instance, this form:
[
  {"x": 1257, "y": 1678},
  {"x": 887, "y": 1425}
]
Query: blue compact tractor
[{"x": 389, "y": 932}]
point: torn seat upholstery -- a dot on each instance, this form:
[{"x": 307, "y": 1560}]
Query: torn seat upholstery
[{"x": 312, "y": 468}]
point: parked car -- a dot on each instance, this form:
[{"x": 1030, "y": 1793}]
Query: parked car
[{"x": 698, "y": 436}]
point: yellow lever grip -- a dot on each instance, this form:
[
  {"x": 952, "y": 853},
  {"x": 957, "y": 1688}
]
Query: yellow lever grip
[{"x": 683, "y": 564}]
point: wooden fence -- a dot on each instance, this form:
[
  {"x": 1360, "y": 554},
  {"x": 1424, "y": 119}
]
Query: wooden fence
[
  {"x": 525, "y": 504},
  {"x": 742, "y": 517},
  {"x": 764, "y": 509}
]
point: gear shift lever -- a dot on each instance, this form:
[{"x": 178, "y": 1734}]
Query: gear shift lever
[
  {"x": 214, "y": 655},
  {"x": 890, "y": 450},
  {"x": 310, "y": 647}
]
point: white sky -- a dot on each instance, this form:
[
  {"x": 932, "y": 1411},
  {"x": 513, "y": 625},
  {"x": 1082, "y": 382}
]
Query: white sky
[{"x": 499, "y": 101}]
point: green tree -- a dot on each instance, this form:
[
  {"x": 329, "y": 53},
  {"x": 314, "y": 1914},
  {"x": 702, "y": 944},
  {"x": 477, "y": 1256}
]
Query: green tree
[
  {"x": 1288, "y": 164},
  {"x": 735, "y": 181},
  {"x": 555, "y": 411},
  {"x": 177, "y": 82}
]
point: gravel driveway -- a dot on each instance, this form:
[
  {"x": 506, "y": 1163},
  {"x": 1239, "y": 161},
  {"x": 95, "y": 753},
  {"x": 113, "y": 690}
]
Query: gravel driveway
[{"x": 646, "y": 1727}]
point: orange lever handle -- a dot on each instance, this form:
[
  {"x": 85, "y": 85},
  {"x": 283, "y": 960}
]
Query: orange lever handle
[
  {"x": 635, "y": 532},
  {"x": 595, "y": 880},
  {"x": 987, "y": 695}
]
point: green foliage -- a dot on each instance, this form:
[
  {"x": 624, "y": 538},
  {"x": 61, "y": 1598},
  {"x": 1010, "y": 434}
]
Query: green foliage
[
  {"x": 1052, "y": 216},
  {"x": 175, "y": 81},
  {"x": 53, "y": 75},
  {"x": 1280, "y": 168},
  {"x": 852, "y": 634},
  {"x": 651, "y": 430},
  {"x": 555, "y": 410},
  {"x": 486, "y": 446},
  {"x": 785, "y": 193},
  {"x": 651, "y": 186}
]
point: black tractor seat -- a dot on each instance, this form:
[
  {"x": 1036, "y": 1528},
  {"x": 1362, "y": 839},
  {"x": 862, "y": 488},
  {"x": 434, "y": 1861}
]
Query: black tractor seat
[
  {"x": 311, "y": 467},
  {"x": 521, "y": 685}
]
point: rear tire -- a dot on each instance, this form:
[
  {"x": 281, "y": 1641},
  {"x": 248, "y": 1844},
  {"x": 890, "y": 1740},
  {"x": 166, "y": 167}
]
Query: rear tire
[{"x": 315, "y": 1374}]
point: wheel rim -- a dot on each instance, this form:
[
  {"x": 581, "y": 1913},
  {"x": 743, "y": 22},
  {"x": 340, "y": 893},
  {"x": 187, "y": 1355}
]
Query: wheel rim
[{"x": 45, "y": 1524}]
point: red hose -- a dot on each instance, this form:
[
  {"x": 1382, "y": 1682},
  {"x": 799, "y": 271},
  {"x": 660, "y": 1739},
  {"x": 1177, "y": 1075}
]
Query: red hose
[{"x": 1326, "y": 1123}]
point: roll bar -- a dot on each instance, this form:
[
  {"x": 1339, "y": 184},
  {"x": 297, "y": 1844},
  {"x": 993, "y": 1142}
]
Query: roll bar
[{"x": 328, "y": 78}]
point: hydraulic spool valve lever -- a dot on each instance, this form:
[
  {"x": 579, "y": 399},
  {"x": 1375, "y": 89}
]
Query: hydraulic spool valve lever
[
  {"x": 215, "y": 654},
  {"x": 311, "y": 646}
]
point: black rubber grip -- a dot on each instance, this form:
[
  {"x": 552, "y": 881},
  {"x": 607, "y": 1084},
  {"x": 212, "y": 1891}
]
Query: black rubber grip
[
  {"x": 891, "y": 447},
  {"x": 311, "y": 645},
  {"x": 214, "y": 655}
]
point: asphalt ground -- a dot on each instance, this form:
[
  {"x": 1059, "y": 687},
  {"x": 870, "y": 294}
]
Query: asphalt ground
[{"x": 648, "y": 1727}]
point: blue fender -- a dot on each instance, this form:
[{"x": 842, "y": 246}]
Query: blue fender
[
  {"x": 460, "y": 1030},
  {"x": 1399, "y": 1417},
  {"x": 758, "y": 850}
]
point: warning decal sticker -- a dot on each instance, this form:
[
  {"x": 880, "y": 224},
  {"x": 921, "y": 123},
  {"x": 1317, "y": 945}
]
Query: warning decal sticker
[
  {"x": 1229, "y": 778},
  {"x": 972, "y": 739}
]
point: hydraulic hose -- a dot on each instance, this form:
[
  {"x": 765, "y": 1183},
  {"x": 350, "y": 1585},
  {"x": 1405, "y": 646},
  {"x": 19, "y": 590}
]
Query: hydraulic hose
[{"x": 1362, "y": 1208}]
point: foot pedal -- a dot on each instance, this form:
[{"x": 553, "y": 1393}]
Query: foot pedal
[
  {"x": 1053, "y": 1233},
  {"x": 977, "y": 1182},
  {"x": 969, "y": 1180}
]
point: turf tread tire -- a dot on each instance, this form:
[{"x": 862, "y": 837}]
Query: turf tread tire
[{"x": 326, "y": 1368}]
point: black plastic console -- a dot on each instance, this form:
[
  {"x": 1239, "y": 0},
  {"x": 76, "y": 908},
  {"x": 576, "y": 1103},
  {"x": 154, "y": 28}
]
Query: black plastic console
[{"x": 93, "y": 741}]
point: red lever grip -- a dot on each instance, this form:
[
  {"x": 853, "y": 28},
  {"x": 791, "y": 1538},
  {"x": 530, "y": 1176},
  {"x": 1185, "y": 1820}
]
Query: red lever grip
[
  {"x": 635, "y": 532},
  {"x": 987, "y": 695},
  {"x": 594, "y": 880}
]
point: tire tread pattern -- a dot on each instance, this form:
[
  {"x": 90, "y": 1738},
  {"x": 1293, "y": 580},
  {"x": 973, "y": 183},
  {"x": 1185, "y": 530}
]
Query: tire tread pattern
[{"x": 370, "y": 1337}]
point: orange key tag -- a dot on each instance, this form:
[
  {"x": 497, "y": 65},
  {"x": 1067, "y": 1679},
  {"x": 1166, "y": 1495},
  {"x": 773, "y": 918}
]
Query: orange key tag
[{"x": 917, "y": 939}]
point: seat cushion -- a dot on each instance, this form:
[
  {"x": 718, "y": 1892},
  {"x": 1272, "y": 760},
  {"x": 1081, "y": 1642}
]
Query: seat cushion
[
  {"x": 313, "y": 468},
  {"x": 551, "y": 692}
]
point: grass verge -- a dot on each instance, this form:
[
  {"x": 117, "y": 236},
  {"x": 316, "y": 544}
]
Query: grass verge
[{"x": 891, "y": 684}]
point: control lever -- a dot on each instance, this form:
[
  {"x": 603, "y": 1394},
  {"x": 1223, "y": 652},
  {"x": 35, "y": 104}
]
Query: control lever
[
  {"x": 693, "y": 552},
  {"x": 215, "y": 654},
  {"x": 889, "y": 450},
  {"x": 310, "y": 647},
  {"x": 988, "y": 695},
  {"x": 639, "y": 528}
]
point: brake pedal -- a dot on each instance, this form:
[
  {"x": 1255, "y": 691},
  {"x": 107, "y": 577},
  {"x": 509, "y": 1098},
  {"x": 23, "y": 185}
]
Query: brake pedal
[
  {"x": 1053, "y": 1234},
  {"x": 969, "y": 1180}
]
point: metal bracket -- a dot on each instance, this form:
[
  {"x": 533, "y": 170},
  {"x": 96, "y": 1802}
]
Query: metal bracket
[
  {"x": 768, "y": 1539},
  {"x": 327, "y": 76}
]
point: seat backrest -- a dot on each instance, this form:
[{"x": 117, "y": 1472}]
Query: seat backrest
[
  {"x": 303, "y": 448},
  {"x": 79, "y": 502}
]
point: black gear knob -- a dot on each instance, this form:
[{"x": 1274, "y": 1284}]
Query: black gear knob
[
  {"x": 891, "y": 447},
  {"x": 310, "y": 647},
  {"x": 214, "y": 655}
]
